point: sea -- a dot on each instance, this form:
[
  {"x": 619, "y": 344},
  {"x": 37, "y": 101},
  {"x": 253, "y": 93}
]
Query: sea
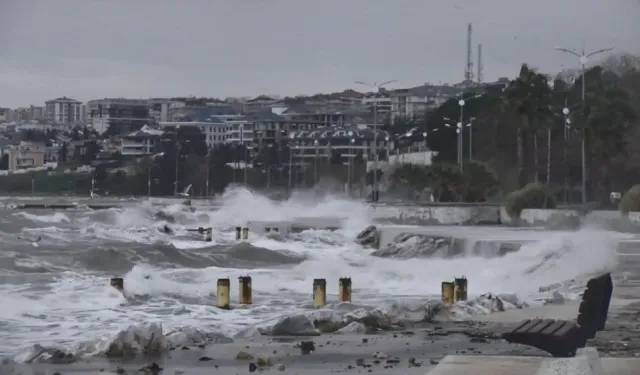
[{"x": 55, "y": 268}]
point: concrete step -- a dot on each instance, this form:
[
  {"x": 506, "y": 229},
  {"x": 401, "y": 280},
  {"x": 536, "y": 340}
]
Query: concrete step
[{"x": 586, "y": 362}]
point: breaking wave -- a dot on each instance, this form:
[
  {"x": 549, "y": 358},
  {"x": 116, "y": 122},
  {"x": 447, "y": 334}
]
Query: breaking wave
[{"x": 58, "y": 291}]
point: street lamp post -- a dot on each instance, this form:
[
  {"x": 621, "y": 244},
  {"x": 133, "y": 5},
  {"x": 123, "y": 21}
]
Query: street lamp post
[
  {"x": 349, "y": 168},
  {"x": 291, "y": 137},
  {"x": 460, "y": 133},
  {"x": 206, "y": 183},
  {"x": 567, "y": 122},
  {"x": 376, "y": 89},
  {"x": 459, "y": 128},
  {"x": 175, "y": 183},
  {"x": 584, "y": 58},
  {"x": 386, "y": 143},
  {"x": 315, "y": 165},
  {"x": 149, "y": 173},
  {"x": 245, "y": 153},
  {"x": 470, "y": 125}
]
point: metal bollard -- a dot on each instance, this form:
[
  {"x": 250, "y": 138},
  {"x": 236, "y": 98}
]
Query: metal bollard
[
  {"x": 345, "y": 289},
  {"x": 245, "y": 234},
  {"x": 238, "y": 233},
  {"x": 448, "y": 292},
  {"x": 118, "y": 283},
  {"x": 319, "y": 292},
  {"x": 460, "y": 289},
  {"x": 208, "y": 234},
  {"x": 223, "y": 287},
  {"x": 245, "y": 295}
]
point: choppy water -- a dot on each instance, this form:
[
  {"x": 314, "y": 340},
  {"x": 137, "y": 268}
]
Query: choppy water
[{"x": 55, "y": 290}]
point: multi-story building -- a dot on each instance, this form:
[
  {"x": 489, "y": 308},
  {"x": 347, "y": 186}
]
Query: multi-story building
[
  {"x": 32, "y": 113},
  {"x": 271, "y": 129},
  {"x": 348, "y": 142},
  {"x": 26, "y": 155},
  {"x": 5, "y": 114},
  {"x": 141, "y": 142},
  {"x": 380, "y": 102},
  {"x": 159, "y": 109},
  {"x": 64, "y": 111},
  {"x": 261, "y": 102},
  {"x": 118, "y": 116},
  {"x": 302, "y": 114},
  {"x": 216, "y": 123}
]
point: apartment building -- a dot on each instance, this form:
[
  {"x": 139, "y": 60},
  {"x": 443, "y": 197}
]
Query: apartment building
[
  {"x": 381, "y": 103},
  {"x": 141, "y": 142},
  {"x": 32, "y": 113},
  {"x": 26, "y": 155},
  {"x": 64, "y": 111},
  {"x": 302, "y": 114},
  {"x": 350, "y": 142},
  {"x": 118, "y": 115},
  {"x": 261, "y": 102},
  {"x": 5, "y": 114}
]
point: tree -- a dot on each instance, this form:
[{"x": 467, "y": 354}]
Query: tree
[
  {"x": 529, "y": 97},
  {"x": 63, "y": 152},
  {"x": 176, "y": 145},
  {"x": 336, "y": 157}
]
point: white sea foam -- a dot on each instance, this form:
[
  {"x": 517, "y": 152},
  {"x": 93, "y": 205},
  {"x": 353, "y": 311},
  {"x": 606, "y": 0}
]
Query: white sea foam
[{"x": 78, "y": 304}]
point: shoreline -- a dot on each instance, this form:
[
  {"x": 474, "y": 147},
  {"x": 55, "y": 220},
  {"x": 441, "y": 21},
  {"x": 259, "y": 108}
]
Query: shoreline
[{"x": 414, "y": 349}]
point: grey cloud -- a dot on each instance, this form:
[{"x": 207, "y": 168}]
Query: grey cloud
[{"x": 91, "y": 49}]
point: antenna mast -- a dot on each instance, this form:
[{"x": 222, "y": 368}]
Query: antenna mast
[
  {"x": 468, "y": 72},
  {"x": 479, "y": 77}
]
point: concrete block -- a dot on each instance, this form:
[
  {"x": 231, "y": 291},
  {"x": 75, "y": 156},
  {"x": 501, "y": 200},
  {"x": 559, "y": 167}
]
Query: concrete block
[
  {"x": 586, "y": 362},
  {"x": 261, "y": 228}
]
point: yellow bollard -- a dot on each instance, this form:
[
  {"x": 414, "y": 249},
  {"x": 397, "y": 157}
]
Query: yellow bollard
[
  {"x": 460, "y": 289},
  {"x": 447, "y": 292},
  {"x": 223, "y": 289},
  {"x": 238, "y": 233},
  {"x": 208, "y": 234},
  {"x": 345, "y": 289},
  {"x": 319, "y": 292},
  {"x": 118, "y": 283},
  {"x": 244, "y": 296},
  {"x": 245, "y": 234}
]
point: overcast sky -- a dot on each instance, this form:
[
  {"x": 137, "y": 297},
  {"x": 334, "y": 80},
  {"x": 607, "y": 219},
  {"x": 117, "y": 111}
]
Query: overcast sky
[{"x": 88, "y": 49}]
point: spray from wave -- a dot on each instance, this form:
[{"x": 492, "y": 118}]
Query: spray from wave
[{"x": 170, "y": 279}]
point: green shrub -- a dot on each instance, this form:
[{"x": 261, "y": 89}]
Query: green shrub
[
  {"x": 530, "y": 196},
  {"x": 630, "y": 200}
]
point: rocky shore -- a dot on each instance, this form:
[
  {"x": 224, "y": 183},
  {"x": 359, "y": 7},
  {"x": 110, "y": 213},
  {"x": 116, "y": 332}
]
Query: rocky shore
[{"x": 366, "y": 344}]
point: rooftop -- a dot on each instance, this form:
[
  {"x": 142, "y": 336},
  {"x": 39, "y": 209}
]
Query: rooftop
[
  {"x": 63, "y": 99},
  {"x": 209, "y": 114},
  {"x": 340, "y": 133}
]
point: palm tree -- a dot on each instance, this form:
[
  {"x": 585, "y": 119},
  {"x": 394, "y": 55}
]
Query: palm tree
[
  {"x": 606, "y": 119},
  {"x": 528, "y": 96}
]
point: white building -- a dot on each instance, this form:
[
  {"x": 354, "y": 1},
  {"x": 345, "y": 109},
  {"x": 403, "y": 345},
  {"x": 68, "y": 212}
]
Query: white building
[
  {"x": 142, "y": 142},
  {"x": 381, "y": 103},
  {"x": 118, "y": 115},
  {"x": 5, "y": 114},
  {"x": 64, "y": 110}
]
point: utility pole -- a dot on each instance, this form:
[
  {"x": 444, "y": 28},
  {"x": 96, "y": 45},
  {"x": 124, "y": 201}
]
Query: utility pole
[
  {"x": 376, "y": 89},
  {"x": 175, "y": 183},
  {"x": 583, "y": 58},
  {"x": 206, "y": 183}
]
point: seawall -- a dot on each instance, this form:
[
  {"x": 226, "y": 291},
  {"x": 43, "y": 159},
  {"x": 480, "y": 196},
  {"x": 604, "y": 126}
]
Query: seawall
[{"x": 494, "y": 214}]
